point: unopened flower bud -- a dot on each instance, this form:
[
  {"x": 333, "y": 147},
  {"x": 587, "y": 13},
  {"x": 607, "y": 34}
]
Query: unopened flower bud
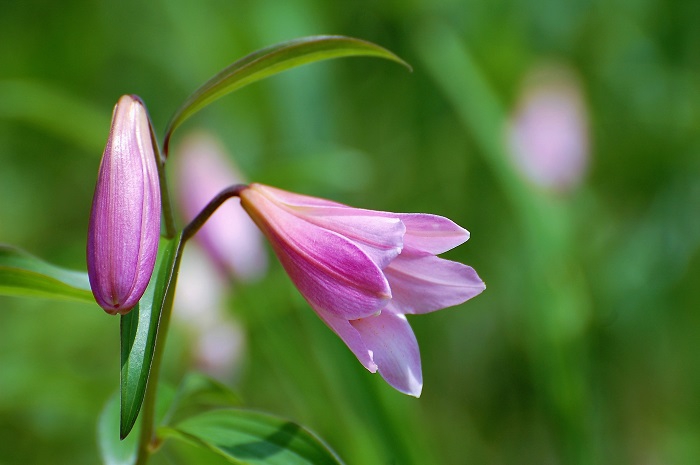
[{"x": 125, "y": 219}]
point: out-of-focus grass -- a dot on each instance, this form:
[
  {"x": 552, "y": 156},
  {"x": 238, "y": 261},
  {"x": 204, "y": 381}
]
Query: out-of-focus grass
[{"x": 583, "y": 347}]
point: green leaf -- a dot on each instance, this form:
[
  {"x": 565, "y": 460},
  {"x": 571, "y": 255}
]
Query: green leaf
[
  {"x": 272, "y": 60},
  {"x": 46, "y": 106},
  {"x": 22, "y": 274},
  {"x": 139, "y": 329},
  {"x": 113, "y": 450},
  {"x": 198, "y": 393},
  {"x": 252, "y": 438}
]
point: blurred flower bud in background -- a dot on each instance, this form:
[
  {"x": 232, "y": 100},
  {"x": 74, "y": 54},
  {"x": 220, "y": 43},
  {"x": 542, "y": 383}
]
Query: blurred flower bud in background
[
  {"x": 547, "y": 134},
  {"x": 228, "y": 246},
  {"x": 200, "y": 309},
  {"x": 230, "y": 237}
]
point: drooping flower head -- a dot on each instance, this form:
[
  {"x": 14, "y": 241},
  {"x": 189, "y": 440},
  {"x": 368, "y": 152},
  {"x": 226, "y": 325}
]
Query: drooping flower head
[
  {"x": 124, "y": 224},
  {"x": 229, "y": 236},
  {"x": 362, "y": 271}
]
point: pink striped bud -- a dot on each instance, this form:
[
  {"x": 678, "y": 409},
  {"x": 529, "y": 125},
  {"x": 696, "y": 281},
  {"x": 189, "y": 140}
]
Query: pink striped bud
[{"x": 125, "y": 218}]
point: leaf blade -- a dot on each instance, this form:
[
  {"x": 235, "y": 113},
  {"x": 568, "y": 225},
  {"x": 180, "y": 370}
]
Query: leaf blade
[
  {"x": 23, "y": 274},
  {"x": 272, "y": 60},
  {"x": 254, "y": 438},
  {"x": 138, "y": 331},
  {"x": 197, "y": 393},
  {"x": 114, "y": 450}
]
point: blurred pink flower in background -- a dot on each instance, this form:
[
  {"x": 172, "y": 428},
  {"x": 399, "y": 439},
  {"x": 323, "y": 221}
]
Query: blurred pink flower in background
[
  {"x": 218, "y": 342},
  {"x": 219, "y": 352},
  {"x": 548, "y": 133},
  {"x": 229, "y": 236},
  {"x": 229, "y": 245}
]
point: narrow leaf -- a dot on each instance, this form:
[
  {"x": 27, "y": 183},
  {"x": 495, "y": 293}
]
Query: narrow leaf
[
  {"x": 113, "y": 450},
  {"x": 198, "y": 393},
  {"x": 45, "y": 106},
  {"x": 22, "y": 274},
  {"x": 139, "y": 329},
  {"x": 253, "y": 438},
  {"x": 270, "y": 61}
]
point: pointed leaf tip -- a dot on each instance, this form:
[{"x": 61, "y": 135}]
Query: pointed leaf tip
[{"x": 270, "y": 61}]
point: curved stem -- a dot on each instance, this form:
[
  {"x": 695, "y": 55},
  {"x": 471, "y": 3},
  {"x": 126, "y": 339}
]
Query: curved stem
[
  {"x": 147, "y": 441},
  {"x": 192, "y": 228}
]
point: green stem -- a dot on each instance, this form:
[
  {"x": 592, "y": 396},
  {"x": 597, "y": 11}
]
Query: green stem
[
  {"x": 166, "y": 205},
  {"x": 168, "y": 220},
  {"x": 147, "y": 440}
]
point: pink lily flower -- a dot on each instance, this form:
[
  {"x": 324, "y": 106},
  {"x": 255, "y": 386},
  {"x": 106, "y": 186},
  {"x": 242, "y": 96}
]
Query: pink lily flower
[
  {"x": 124, "y": 227},
  {"x": 362, "y": 271}
]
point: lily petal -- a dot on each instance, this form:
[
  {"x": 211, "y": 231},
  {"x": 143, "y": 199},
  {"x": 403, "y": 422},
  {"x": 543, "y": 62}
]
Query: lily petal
[
  {"x": 390, "y": 339},
  {"x": 330, "y": 271},
  {"x": 428, "y": 283},
  {"x": 431, "y": 234},
  {"x": 425, "y": 233},
  {"x": 380, "y": 236},
  {"x": 351, "y": 337}
]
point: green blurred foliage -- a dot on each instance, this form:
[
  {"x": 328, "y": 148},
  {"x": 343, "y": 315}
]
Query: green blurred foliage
[{"x": 583, "y": 348}]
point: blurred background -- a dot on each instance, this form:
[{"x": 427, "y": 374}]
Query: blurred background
[{"x": 564, "y": 135}]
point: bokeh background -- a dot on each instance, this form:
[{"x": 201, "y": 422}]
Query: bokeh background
[{"x": 583, "y": 208}]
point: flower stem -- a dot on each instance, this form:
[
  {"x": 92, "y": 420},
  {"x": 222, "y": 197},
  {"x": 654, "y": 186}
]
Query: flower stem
[
  {"x": 192, "y": 228},
  {"x": 168, "y": 220},
  {"x": 147, "y": 441},
  {"x": 146, "y": 437},
  {"x": 166, "y": 205}
]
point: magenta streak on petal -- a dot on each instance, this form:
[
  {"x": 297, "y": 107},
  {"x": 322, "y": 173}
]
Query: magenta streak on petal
[
  {"x": 330, "y": 271},
  {"x": 150, "y": 212},
  {"x": 428, "y": 283},
  {"x": 390, "y": 339},
  {"x": 380, "y": 236},
  {"x": 425, "y": 233},
  {"x": 297, "y": 200}
]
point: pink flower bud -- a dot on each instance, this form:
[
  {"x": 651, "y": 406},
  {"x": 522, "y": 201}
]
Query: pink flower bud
[{"x": 124, "y": 225}]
